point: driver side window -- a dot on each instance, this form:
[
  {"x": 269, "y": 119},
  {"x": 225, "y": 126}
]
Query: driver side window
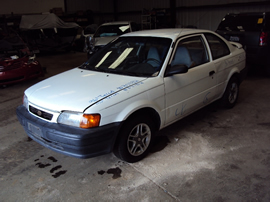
[{"x": 191, "y": 52}]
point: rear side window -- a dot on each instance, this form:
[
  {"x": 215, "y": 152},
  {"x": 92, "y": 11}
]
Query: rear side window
[
  {"x": 243, "y": 22},
  {"x": 218, "y": 47}
]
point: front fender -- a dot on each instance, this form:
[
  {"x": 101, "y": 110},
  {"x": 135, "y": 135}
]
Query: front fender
[
  {"x": 139, "y": 105},
  {"x": 119, "y": 112}
]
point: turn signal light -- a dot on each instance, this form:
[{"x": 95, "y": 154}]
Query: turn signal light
[{"x": 90, "y": 120}]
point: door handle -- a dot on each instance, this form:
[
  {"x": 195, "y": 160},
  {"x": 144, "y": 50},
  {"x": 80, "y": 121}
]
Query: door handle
[{"x": 211, "y": 73}]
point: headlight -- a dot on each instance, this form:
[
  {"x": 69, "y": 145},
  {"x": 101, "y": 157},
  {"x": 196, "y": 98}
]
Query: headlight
[
  {"x": 25, "y": 101},
  {"x": 79, "y": 119},
  {"x": 2, "y": 68},
  {"x": 31, "y": 58}
]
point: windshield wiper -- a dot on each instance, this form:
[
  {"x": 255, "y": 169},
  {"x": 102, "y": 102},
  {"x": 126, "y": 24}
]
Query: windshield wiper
[
  {"x": 136, "y": 74},
  {"x": 112, "y": 71},
  {"x": 87, "y": 66}
]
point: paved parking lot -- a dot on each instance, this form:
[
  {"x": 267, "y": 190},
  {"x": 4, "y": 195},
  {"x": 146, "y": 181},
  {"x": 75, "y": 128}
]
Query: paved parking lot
[{"x": 212, "y": 155}]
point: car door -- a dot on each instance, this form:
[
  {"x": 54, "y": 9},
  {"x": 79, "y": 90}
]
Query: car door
[
  {"x": 187, "y": 92},
  {"x": 221, "y": 59}
]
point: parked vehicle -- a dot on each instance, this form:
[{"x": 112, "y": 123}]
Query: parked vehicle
[
  {"x": 15, "y": 69},
  {"x": 130, "y": 89},
  {"x": 47, "y": 33},
  {"x": 252, "y": 30},
  {"x": 17, "y": 63},
  {"x": 106, "y": 33},
  {"x": 79, "y": 43}
]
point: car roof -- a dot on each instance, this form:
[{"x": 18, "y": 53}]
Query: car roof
[
  {"x": 172, "y": 33},
  {"x": 116, "y": 23}
]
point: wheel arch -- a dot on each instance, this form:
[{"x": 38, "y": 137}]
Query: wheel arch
[
  {"x": 237, "y": 76},
  {"x": 227, "y": 94},
  {"x": 234, "y": 73},
  {"x": 142, "y": 107},
  {"x": 143, "y": 112},
  {"x": 146, "y": 111}
]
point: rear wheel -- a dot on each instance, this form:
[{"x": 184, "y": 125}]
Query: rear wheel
[
  {"x": 135, "y": 139},
  {"x": 231, "y": 93}
]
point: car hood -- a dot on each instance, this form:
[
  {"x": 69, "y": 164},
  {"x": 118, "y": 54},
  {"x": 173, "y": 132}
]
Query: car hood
[
  {"x": 77, "y": 89},
  {"x": 102, "y": 41}
]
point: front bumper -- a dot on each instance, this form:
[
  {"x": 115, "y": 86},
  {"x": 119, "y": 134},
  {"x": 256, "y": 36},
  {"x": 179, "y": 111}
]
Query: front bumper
[
  {"x": 30, "y": 71},
  {"x": 76, "y": 142}
]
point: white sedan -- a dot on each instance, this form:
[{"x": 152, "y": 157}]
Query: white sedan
[{"x": 130, "y": 89}]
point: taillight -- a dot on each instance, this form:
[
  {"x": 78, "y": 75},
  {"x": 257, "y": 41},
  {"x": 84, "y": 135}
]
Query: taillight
[{"x": 263, "y": 39}]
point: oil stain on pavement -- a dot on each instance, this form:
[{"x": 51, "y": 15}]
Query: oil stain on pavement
[
  {"x": 55, "y": 168},
  {"x": 115, "y": 171}
]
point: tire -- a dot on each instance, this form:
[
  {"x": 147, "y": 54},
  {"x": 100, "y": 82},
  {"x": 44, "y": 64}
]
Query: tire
[
  {"x": 135, "y": 139},
  {"x": 231, "y": 93}
]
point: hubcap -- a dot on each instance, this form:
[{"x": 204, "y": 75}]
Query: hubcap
[
  {"x": 233, "y": 93},
  {"x": 139, "y": 139}
]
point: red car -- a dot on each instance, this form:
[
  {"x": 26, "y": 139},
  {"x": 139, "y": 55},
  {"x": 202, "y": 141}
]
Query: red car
[
  {"x": 17, "y": 63},
  {"x": 15, "y": 69}
]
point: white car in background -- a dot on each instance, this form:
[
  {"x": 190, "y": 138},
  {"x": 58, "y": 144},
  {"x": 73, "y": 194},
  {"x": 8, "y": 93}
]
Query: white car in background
[
  {"x": 130, "y": 89},
  {"x": 106, "y": 33}
]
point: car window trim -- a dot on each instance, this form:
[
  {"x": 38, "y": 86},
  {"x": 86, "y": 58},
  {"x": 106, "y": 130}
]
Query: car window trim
[
  {"x": 225, "y": 42},
  {"x": 177, "y": 41}
]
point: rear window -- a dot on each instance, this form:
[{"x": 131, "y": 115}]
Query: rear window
[
  {"x": 218, "y": 47},
  {"x": 242, "y": 22},
  {"x": 112, "y": 30}
]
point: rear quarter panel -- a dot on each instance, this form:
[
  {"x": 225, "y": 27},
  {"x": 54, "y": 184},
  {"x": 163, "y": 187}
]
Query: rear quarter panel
[{"x": 228, "y": 66}]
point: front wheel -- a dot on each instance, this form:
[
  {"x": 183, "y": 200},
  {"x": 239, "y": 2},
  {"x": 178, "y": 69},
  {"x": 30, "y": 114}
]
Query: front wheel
[
  {"x": 231, "y": 93},
  {"x": 135, "y": 139}
]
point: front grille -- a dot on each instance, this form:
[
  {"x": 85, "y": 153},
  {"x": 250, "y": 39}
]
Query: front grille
[{"x": 40, "y": 113}]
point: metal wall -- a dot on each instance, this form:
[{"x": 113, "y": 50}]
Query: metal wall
[
  {"x": 212, "y": 2},
  {"x": 29, "y": 6},
  {"x": 208, "y": 14},
  {"x": 82, "y": 5},
  {"x": 203, "y": 14},
  {"x": 107, "y": 6},
  {"x": 138, "y": 5},
  {"x": 103, "y": 9}
]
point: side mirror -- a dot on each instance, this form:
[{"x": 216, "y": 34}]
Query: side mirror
[
  {"x": 176, "y": 69},
  {"x": 89, "y": 45}
]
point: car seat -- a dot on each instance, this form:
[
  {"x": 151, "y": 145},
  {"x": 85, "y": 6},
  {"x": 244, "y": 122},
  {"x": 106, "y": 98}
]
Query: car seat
[
  {"x": 182, "y": 57},
  {"x": 153, "y": 54}
]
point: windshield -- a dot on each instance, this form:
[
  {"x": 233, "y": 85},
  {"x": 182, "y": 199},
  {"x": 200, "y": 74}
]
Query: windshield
[
  {"x": 112, "y": 30},
  {"x": 136, "y": 56}
]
